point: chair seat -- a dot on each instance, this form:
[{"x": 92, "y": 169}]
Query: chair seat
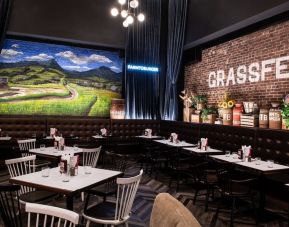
[
  {"x": 103, "y": 190},
  {"x": 36, "y": 196},
  {"x": 105, "y": 210}
]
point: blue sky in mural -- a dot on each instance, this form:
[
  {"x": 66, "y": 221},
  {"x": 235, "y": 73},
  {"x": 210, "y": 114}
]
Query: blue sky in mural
[{"x": 68, "y": 57}]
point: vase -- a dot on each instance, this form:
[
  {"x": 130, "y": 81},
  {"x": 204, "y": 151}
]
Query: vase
[
  {"x": 227, "y": 116},
  {"x": 264, "y": 118},
  {"x": 238, "y": 109},
  {"x": 275, "y": 120}
]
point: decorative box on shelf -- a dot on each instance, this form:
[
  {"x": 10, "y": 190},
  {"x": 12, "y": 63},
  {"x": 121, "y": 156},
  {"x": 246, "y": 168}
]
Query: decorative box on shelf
[
  {"x": 210, "y": 119},
  {"x": 196, "y": 118},
  {"x": 249, "y": 120}
]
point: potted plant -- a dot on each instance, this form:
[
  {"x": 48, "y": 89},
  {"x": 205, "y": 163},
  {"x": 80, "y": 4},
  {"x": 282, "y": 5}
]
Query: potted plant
[
  {"x": 200, "y": 101},
  {"x": 209, "y": 115},
  {"x": 285, "y": 113}
]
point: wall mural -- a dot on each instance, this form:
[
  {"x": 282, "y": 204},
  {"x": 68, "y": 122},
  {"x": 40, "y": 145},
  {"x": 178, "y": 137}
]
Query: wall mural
[{"x": 48, "y": 79}]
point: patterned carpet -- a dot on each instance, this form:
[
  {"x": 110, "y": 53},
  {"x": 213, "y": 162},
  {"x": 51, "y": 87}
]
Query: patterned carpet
[{"x": 147, "y": 192}]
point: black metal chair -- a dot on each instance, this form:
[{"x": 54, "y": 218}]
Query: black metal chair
[
  {"x": 236, "y": 189},
  {"x": 9, "y": 206},
  {"x": 117, "y": 162}
]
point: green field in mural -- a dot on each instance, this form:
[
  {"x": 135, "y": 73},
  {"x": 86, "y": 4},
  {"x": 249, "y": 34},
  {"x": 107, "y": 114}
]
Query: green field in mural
[{"x": 48, "y": 79}]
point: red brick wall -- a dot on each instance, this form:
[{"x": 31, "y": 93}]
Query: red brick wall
[{"x": 267, "y": 43}]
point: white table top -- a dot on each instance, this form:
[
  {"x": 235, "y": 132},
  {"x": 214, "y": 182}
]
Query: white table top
[
  {"x": 180, "y": 144},
  {"x": 55, "y": 180},
  {"x": 263, "y": 166},
  {"x": 5, "y": 138},
  {"x": 199, "y": 151},
  {"x": 148, "y": 137},
  {"x": 51, "y": 151}
]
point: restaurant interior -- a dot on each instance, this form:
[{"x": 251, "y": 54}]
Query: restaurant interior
[{"x": 144, "y": 113}]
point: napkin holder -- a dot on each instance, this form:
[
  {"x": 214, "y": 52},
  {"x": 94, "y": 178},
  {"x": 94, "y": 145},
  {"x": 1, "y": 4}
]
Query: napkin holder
[
  {"x": 53, "y": 132},
  {"x": 174, "y": 138},
  {"x": 148, "y": 132},
  {"x": 103, "y": 132},
  {"x": 74, "y": 161},
  {"x": 204, "y": 144}
]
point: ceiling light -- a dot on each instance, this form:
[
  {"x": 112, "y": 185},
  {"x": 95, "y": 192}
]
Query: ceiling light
[
  {"x": 124, "y": 13},
  {"x": 134, "y": 4},
  {"x": 129, "y": 19},
  {"x": 114, "y": 12},
  {"x": 125, "y": 24},
  {"x": 141, "y": 17},
  {"x": 122, "y": 2}
]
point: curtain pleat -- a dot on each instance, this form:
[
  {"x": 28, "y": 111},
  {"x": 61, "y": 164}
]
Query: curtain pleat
[
  {"x": 177, "y": 11},
  {"x": 5, "y": 6},
  {"x": 143, "y": 44}
]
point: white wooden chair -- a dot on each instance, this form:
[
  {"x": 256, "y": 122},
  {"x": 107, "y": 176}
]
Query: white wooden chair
[
  {"x": 22, "y": 166},
  {"x": 25, "y": 146},
  {"x": 50, "y": 216},
  {"x": 113, "y": 214},
  {"x": 89, "y": 158}
]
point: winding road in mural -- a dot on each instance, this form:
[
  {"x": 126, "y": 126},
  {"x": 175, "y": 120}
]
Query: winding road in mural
[{"x": 48, "y": 79}]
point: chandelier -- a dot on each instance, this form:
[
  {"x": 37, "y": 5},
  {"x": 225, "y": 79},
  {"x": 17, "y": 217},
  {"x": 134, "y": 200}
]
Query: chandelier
[{"x": 127, "y": 11}]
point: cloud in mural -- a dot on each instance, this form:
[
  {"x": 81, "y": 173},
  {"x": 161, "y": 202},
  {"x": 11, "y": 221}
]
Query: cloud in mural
[
  {"x": 115, "y": 68},
  {"x": 81, "y": 60},
  {"x": 39, "y": 57},
  {"x": 15, "y": 46},
  {"x": 76, "y": 68},
  {"x": 10, "y": 53}
]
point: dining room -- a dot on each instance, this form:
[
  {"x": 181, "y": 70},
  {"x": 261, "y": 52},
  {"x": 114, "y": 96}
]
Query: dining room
[{"x": 144, "y": 113}]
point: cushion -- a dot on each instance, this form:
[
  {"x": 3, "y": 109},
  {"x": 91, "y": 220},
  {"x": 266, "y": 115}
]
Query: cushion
[{"x": 169, "y": 212}]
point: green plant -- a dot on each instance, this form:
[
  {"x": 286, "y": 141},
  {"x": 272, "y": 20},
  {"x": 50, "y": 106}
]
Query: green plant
[
  {"x": 285, "y": 113},
  {"x": 200, "y": 98},
  {"x": 207, "y": 111}
]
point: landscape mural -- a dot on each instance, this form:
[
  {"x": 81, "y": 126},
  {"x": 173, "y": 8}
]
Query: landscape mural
[{"x": 48, "y": 79}]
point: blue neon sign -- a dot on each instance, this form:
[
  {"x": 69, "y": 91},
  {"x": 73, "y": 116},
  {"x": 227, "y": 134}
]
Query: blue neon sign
[{"x": 142, "y": 68}]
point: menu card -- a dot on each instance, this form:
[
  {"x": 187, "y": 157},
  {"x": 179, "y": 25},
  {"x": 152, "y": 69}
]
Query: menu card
[{"x": 246, "y": 151}]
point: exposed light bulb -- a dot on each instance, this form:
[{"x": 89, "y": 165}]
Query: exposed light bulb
[
  {"x": 134, "y": 4},
  {"x": 124, "y": 13},
  {"x": 114, "y": 12},
  {"x": 122, "y": 2},
  {"x": 129, "y": 19},
  {"x": 141, "y": 17},
  {"x": 125, "y": 23}
]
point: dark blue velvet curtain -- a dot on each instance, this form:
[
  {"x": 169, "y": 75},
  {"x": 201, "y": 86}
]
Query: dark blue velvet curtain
[
  {"x": 177, "y": 10},
  {"x": 5, "y": 6},
  {"x": 143, "y": 48}
]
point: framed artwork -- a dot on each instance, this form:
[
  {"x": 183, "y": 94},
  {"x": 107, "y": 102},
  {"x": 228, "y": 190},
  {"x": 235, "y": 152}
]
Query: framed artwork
[{"x": 38, "y": 78}]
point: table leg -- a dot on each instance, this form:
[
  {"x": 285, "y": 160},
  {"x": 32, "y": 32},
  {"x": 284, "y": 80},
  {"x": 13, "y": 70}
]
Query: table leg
[{"x": 69, "y": 202}]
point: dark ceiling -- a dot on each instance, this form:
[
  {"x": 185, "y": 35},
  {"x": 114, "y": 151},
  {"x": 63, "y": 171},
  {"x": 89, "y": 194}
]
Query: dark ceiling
[{"x": 86, "y": 20}]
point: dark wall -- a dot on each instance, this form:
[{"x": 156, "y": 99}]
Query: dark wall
[
  {"x": 88, "y": 21},
  {"x": 206, "y": 16}
]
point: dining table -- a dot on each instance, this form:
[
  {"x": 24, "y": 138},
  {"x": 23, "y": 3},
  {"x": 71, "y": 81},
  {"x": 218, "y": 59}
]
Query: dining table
[
  {"x": 179, "y": 144},
  {"x": 66, "y": 185},
  {"x": 260, "y": 168},
  {"x": 198, "y": 151}
]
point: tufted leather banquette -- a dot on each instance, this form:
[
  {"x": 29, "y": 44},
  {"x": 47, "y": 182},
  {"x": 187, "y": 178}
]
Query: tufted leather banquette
[
  {"x": 22, "y": 126},
  {"x": 78, "y": 126},
  {"x": 266, "y": 143},
  {"x": 129, "y": 128}
]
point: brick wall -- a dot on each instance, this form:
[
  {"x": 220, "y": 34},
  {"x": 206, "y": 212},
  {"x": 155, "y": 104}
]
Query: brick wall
[{"x": 267, "y": 43}]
